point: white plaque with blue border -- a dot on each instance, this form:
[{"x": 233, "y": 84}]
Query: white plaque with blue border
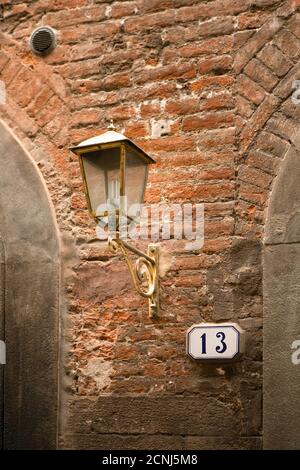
[{"x": 215, "y": 341}]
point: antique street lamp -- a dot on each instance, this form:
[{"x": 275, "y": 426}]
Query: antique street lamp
[{"x": 115, "y": 170}]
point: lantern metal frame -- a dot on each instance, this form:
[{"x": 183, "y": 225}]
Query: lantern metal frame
[{"x": 145, "y": 271}]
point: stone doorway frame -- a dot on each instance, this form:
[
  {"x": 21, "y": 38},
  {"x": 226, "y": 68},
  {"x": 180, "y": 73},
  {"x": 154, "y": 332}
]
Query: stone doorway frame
[
  {"x": 281, "y": 263},
  {"x": 32, "y": 285}
]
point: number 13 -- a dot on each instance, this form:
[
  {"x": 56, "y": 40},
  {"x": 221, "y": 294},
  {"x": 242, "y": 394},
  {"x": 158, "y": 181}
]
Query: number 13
[{"x": 220, "y": 349}]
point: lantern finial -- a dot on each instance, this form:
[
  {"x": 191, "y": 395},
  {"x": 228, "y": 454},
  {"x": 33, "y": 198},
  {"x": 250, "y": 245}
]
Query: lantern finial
[{"x": 111, "y": 126}]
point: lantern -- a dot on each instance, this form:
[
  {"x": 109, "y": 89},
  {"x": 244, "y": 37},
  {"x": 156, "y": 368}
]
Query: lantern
[
  {"x": 112, "y": 167},
  {"x": 114, "y": 170}
]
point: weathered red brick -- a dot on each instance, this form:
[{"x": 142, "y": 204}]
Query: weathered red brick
[
  {"x": 272, "y": 144},
  {"x": 190, "y": 281},
  {"x": 219, "y": 65},
  {"x": 283, "y": 41},
  {"x": 218, "y": 45},
  {"x": 16, "y": 11},
  {"x": 83, "y": 51},
  {"x": 134, "y": 130},
  {"x": 288, "y": 8},
  {"x": 39, "y": 101},
  {"x": 218, "y": 101},
  {"x": 249, "y": 89},
  {"x": 55, "y": 128},
  {"x": 52, "y": 108},
  {"x": 219, "y": 228},
  {"x": 21, "y": 119},
  {"x": 208, "y": 121},
  {"x": 122, "y": 9},
  {"x": 79, "y": 69},
  {"x": 219, "y": 173},
  {"x": 256, "y": 42},
  {"x": 202, "y": 192},
  {"x": 216, "y": 245},
  {"x": 169, "y": 144},
  {"x": 245, "y": 107},
  {"x": 253, "y": 194},
  {"x": 273, "y": 58},
  {"x": 111, "y": 82},
  {"x": 81, "y": 118},
  {"x": 10, "y": 71},
  {"x": 214, "y": 8},
  {"x": 152, "y": 195},
  {"x": 259, "y": 159},
  {"x": 250, "y": 20},
  {"x": 71, "y": 35},
  {"x": 102, "y": 98},
  {"x": 149, "y": 21},
  {"x": 219, "y": 138},
  {"x": 261, "y": 74},
  {"x": 150, "y": 110},
  {"x": 209, "y": 82},
  {"x": 3, "y": 60},
  {"x": 121, "y": 112},
  {"x": 257, "y": 120},
  {"x": 155, "y": 5},
  {"x": 254, "y": 176},
  {"x": 167, "y": 72},
  {"x": 286, "y": 85},
  {"x": 75, "y": 16},
  {"x": 240, "y": 39},
  {"x": 190, "y": 159},
  {"x": 294, "y": 26},
  {"x": 184, "y": 106},
  {"x": 152, "y": 91},
  {"x": 283, "y": 127},
  {"x": 43, "y": 5}
]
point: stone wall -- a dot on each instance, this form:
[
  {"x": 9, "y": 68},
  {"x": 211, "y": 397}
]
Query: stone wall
[{"x": 217, "y": 75}]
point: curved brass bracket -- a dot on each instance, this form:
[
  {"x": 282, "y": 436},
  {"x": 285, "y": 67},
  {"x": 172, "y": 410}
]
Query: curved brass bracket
[{"x": 144, "y": 272}]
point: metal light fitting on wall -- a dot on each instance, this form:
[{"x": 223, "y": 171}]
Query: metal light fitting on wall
[{"x": 114, "y": 168}]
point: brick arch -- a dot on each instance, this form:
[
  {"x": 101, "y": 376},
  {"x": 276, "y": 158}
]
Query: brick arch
[
  {"x": 42, "y": 107},
  {"x": 39, "y": 115},
  {"x": 266, "y": 68}
]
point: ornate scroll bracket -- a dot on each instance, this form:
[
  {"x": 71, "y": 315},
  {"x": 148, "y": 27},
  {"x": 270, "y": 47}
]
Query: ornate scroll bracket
[{"x": 144, "y": 272}]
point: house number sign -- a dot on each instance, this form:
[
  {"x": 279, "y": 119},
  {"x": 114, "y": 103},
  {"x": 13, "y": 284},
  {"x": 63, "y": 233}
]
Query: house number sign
[{"x": 215, "y": 341}]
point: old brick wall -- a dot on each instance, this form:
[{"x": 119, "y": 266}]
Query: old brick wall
[{"x": 219, "y": 75}]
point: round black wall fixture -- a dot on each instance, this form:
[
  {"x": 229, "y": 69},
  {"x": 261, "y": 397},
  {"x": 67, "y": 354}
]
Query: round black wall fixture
[{"x": 43, "y": 40}]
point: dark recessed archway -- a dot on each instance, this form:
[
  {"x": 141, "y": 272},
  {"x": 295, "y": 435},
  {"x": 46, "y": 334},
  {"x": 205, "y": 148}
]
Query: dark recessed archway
[
  {"x": 31, "y": 303},
  {"x": 282, "y": 308}
]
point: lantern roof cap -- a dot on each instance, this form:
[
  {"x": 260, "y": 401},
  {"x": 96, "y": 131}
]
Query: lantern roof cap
[{"x": 107, "y": 138}]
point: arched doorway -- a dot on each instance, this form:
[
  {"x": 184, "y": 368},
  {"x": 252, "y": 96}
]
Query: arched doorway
[
  {"x": 282, "y": 309},
  {"x": 29, "y": 313}
]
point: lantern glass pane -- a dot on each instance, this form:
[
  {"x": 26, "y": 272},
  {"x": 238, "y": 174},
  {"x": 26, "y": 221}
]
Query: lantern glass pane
[
  {"x": 136, "y": 173},
  {"x": 102, "y": 173}
]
